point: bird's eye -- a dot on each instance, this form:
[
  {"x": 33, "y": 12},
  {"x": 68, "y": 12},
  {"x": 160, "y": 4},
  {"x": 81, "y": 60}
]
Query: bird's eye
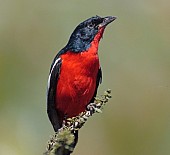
[{"x": 91, "y": 25}]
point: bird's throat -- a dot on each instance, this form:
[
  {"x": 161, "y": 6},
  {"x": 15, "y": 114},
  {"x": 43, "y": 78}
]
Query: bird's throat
[{"x": 99, "y": 35}]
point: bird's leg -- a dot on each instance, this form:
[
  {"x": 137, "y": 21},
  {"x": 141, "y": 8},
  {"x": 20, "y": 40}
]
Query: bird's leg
[{"x": 93, "y": 107}]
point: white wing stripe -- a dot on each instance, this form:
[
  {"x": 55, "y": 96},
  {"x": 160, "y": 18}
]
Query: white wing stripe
[{"x": 49, "y": 78}]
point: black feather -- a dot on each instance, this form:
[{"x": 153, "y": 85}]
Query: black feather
[{"x": 51, "y": 94}]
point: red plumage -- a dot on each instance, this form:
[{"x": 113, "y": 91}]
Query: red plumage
[{"x": 77, "y": 80}]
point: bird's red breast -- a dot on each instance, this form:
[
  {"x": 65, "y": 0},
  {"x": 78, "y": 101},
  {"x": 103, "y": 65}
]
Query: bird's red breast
[{"x": 77, "y": 80}]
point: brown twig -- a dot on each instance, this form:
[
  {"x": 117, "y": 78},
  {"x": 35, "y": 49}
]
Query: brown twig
[{"x": 62, "y": 141}]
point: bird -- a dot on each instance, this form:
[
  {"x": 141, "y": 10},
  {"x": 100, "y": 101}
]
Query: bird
[{"x": 75, "y": 72}]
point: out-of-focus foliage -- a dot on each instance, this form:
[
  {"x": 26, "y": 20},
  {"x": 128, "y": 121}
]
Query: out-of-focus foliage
[{"x": 135, "y": 57}]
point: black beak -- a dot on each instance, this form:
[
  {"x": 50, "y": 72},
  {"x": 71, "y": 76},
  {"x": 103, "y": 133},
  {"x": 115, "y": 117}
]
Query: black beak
[{"x": 107, "y": 20}]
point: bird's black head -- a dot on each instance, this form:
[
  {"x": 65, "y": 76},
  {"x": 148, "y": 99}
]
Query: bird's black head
[{"x": 85, "y": 32}]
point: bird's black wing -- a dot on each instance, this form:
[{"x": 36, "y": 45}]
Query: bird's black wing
[
  {"x": 51, "y": 96},
  {"x": 51, "y": 93},
  {"x": 98, "y": 81}
]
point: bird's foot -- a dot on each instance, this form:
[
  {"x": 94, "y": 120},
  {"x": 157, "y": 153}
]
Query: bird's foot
[{"x": 93, "y": 107}]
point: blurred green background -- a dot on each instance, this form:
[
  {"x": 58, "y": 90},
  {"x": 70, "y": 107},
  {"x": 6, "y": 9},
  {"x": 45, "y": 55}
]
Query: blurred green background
[{"x": 134, "y": 55}]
